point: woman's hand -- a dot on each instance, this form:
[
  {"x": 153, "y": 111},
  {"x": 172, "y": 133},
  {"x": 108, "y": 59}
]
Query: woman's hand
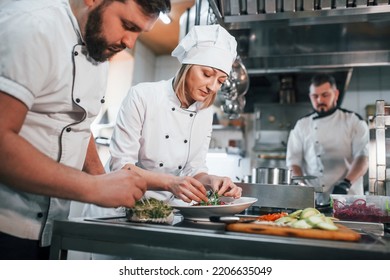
[
  {"x": 184, "y": 188},
  {"x": 187, "y": 189},
  {"x": 223, "y": 185}
]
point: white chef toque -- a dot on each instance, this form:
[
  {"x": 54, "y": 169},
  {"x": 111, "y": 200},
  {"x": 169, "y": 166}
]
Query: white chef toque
[{"x": 207, "y": 45}]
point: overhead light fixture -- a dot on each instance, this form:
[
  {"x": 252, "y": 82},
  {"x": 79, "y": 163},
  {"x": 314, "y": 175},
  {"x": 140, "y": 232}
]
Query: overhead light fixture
[{"x": 165, "y": 18}]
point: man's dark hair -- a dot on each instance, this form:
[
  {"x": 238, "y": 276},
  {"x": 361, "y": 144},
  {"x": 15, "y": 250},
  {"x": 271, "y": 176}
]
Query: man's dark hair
[
  {"x": 151, "y": 7},
  {"x": 321, "y": 79}
]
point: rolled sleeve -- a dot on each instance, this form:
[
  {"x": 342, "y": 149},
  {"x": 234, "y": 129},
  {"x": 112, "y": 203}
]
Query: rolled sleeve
[
  {"x": 16, "y": 90},
  {"x": 22, "y": 75}
]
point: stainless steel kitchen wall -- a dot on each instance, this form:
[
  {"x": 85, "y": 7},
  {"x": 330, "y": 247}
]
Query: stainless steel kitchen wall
[
  {"x": 309, "y": 36},
  {"x": 269, "y": 87}
]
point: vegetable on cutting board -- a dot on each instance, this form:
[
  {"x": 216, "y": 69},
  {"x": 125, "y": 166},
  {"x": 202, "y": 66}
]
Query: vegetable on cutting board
[
  {"x": 272, "y": 216},
  {"x": 307, "y": 218}
]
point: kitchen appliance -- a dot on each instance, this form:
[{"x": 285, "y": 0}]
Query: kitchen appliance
[
  {"x": 317, "y": 35},
  {"x": 379, "y": 150},
  {"x": 290, "y": 89},
  {"x": 279, "y": 196}
]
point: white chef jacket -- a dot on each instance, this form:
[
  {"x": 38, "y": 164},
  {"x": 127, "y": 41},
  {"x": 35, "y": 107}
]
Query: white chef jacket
[
  {"x": 326, "y": 146},
  {"x": 154, "y": 133},
  {"x": 42, "y": 64}
]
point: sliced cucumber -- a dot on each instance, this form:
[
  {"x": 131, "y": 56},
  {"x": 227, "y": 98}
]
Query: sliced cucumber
[
  {"x": 306, "y": 219},
  {"x": 307, "y": 212},
  {"x": 314, "y": 220},
  {"x": 285, "y": 220},
  {"x": 327, "y": 226},
  {"x": 329, "y": 220},
  {"x": 296, "y": 214},
  {"x": 301, "y": 224}
]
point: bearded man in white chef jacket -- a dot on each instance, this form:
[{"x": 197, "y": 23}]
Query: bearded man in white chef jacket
[
  {"x": 53, "y": 72},
  {"x": 330, "y": 143},
  {"x": 163, "y": 129}
]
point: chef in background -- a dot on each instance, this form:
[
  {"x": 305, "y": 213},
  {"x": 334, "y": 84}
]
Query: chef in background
[
  {"x": 163, "y": 129},
  {"x": 330, "y": 143}
]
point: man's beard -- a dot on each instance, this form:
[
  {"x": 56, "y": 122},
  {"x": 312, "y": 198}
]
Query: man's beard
[
  {"x": 322, "y": 108},
  {"x": 322, "y": 112},
  {"x": 97, "y": 46}
]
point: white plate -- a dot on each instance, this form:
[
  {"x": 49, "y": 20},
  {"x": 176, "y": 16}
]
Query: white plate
[{"x": 203, "y": 213}]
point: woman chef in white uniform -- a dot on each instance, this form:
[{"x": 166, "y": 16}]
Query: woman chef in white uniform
[{"x": 163, "y": 129}]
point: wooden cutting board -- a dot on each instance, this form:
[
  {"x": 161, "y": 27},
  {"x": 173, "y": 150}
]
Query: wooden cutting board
[{"x": 342, "y": 234}]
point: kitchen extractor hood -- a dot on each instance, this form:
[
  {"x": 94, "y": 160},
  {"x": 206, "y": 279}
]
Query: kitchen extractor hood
[
  {"x": 290, "y": 88},
  {"x": 279, "y": 40}
]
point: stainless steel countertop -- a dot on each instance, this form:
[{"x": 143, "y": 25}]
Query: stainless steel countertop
[{"x": 199, "y": 240}]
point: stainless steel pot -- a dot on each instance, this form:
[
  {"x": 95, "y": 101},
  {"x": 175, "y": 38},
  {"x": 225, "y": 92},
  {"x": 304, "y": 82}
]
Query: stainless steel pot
[
  {"x": 276, "y": 176},
  {"x": 271, "y": 175}
]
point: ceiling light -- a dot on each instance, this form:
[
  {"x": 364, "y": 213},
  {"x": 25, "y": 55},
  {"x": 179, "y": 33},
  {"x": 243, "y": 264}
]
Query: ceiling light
[{"x": 165, "y": 18}]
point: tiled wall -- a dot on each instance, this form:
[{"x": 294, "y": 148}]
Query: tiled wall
[{"x": 367, "y": 85}]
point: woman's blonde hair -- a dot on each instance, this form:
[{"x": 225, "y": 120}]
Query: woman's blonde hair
[{"x": 179, "y": 86}]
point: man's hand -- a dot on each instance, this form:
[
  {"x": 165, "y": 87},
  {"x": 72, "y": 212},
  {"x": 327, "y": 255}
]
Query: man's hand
[
  {"x": 342, "y": 187},
  {"x": 119, "y": 188}
]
